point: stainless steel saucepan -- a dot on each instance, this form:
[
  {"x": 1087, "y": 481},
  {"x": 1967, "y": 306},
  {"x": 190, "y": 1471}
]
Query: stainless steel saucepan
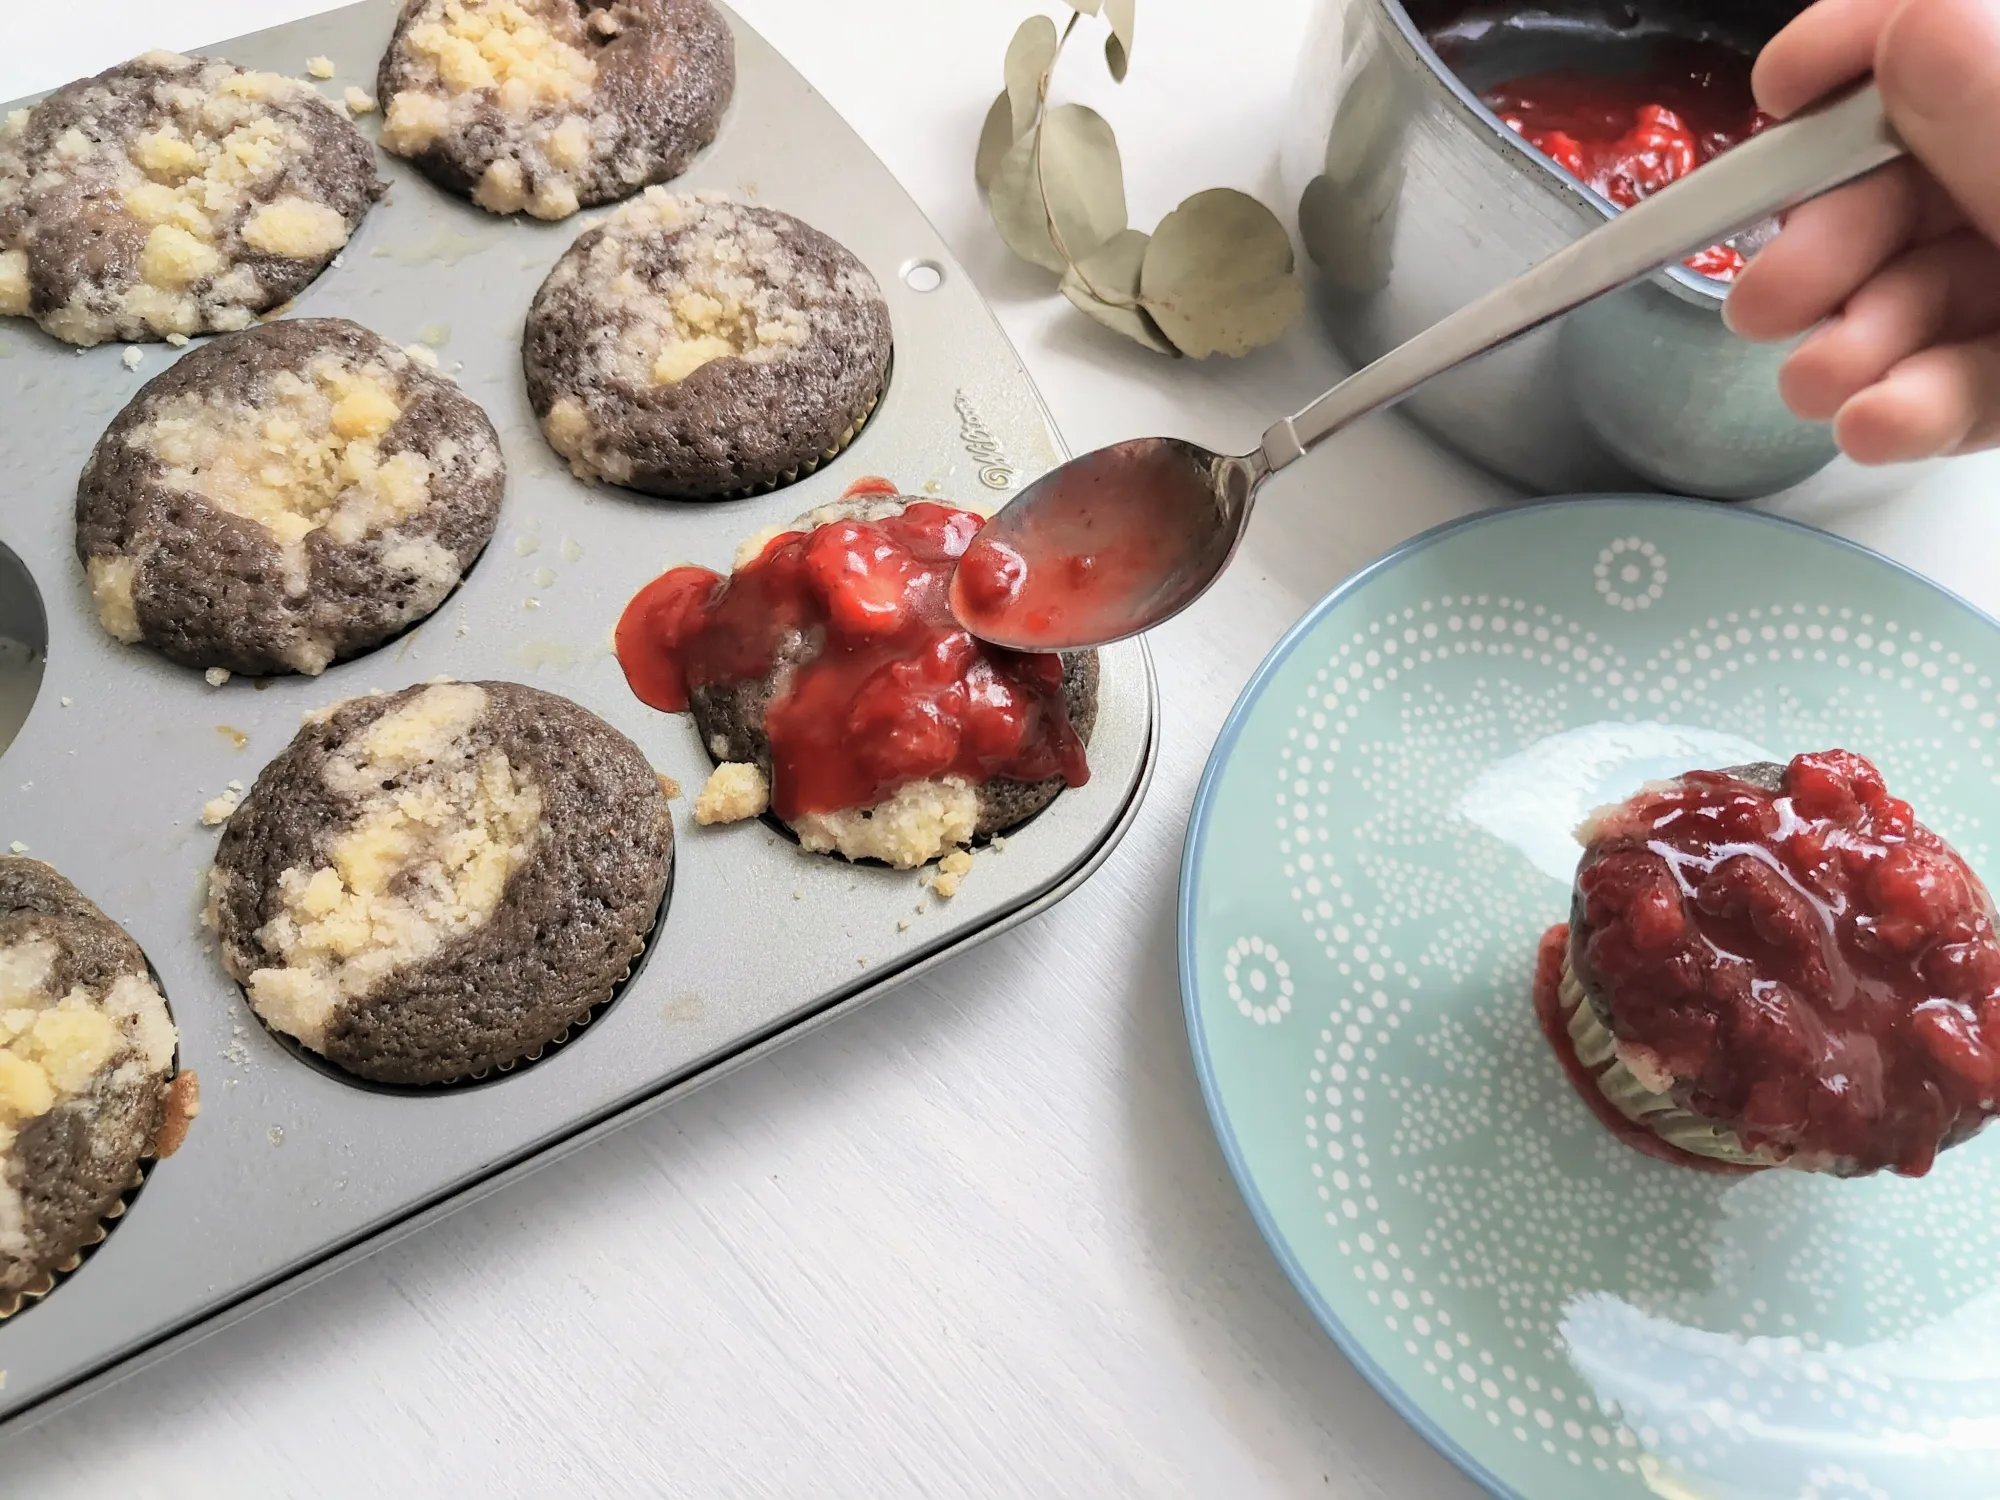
[{"x": 1413, "y": 200}]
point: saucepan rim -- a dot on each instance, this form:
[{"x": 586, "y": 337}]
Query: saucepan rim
[{"x": 1689, "y": 285}]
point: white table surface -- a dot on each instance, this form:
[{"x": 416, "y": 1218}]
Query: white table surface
[{"x": 976, "y": 1240}]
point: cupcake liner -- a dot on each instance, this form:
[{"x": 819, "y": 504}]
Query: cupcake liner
[
  {"x": 793, "y": 475},
  {"x": 1680, "y": 1128},
  {"x": 323, "y": 1064},
  {"x": 24, "y": 1297}
]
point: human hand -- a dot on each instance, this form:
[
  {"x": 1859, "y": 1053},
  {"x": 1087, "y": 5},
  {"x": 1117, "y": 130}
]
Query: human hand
[{"x": 1904, "y": 265}]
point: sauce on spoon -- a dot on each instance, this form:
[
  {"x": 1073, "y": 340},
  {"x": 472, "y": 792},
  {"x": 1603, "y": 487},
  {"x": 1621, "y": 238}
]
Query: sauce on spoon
[{"x": 1090, "y": 547}]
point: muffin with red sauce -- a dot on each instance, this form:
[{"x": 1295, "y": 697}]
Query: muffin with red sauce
[
  {"x": 833, "y": 688},
  {"x": 1777, "y": 966}
]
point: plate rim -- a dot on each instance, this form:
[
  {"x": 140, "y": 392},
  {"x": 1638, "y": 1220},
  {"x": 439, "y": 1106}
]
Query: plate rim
[{"x": 1195, "y": 841}]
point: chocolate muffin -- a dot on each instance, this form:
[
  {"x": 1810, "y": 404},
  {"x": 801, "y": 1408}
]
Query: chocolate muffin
[
  {"x": 87, "y": 1084},
  {"x": 286, "y": 497},
  {"x": 1778, "y": 966},
  {"x": 545, "y": 106},
  {"x": 430, "y": 884},
  {"x": 171, "y": 196},
  {"x": 695, "y": 348},
  {"x": 894, "y": 737}
]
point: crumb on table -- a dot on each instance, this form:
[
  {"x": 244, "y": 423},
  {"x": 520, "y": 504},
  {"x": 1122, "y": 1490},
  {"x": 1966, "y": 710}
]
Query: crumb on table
[
  {"x": 216, "y": 676},
  {"x": 357, "y": 102},
  {"x": 669, "y": 788},
  {"x": 131, "y": 357},
  {"x": 320, "y": 67}
]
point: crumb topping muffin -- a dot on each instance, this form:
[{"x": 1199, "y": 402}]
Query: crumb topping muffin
[
  {"x": 545, "y": 106},
  {"x": 172, "y": 196},
  {"x": 286, "y": 497},
  {"x": 1780, "y": 966},
  {"x": 86, "y": 1073},
  {"x": 830, "y": 686},
  {"x": 433, "y": 883},
  {"x": 693, "y": 348}
]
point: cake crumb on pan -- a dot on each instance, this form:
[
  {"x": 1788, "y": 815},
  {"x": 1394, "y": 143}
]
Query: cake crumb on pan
[
  {"x": 320, "y": 67},
  {"x": 216, "y": 676},
  {"x": 735, "y": 790},
  {"x": 216, "y": 810},
  {"x": 952, "y": 869},
  {"x": 357, "y": 102}
]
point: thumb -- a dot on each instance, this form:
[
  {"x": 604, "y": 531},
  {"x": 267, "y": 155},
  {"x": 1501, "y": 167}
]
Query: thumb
[{"x": 1938, "y": 65}]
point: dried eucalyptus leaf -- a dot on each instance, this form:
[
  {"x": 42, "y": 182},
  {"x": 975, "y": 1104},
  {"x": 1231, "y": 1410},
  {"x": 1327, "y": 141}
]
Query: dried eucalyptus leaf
[
  {"x": 1083, "y": 7},
  {"x": 995, "y": 136},
  {"x": 1030, "y": 55},
  {"x": 1218, "y": 276},
  {"x": 1083, "y": 176},
  {"x": 1112, "y": 270},
  {"x": 1015, "y": 201},
  {"x": 1118, "y": 46},
  {"x": 1084, "y": 180}
]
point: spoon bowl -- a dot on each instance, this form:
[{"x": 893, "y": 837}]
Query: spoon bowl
[{"x": 1105, "y": 545}]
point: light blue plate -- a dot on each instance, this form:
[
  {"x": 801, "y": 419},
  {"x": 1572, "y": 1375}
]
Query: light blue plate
[{"x": 1381, "y": 837}]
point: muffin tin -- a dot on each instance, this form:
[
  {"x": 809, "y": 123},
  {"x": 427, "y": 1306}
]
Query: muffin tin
[{"x": 292, "y": 1171}]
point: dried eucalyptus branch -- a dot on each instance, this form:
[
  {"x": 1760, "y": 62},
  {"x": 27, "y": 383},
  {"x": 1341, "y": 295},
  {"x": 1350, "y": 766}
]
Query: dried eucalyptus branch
[{"x": 1216, "y": 276}]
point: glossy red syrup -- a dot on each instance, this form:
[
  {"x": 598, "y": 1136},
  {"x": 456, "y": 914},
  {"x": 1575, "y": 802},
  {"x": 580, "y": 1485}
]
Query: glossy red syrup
[
  {"x": 897, "y": 691},
  {"x": 1630, "y": 134},
  {"x": 1819, "y": 969},
  {"x": 1112, "y": 538},
  {"x": 1549, "y": 1011}
]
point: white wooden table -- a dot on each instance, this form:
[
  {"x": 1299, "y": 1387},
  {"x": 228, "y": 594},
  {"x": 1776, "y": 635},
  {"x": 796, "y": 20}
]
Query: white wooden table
[{"x": 976, "y": 1240}]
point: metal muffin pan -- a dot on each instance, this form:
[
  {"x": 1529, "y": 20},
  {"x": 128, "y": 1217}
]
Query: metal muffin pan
[{"x": 291, "y": 1171}]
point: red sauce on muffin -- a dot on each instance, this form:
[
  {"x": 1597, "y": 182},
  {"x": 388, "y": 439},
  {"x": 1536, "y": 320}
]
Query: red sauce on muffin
[
  {"x": 1815, "y": 968},
  {"x": 1549, "y": 1012},
  {"x": 898, "y": 692}
]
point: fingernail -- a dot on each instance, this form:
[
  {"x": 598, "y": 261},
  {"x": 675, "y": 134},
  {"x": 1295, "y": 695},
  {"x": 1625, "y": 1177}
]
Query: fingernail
[{"x": 1939, "y": 58}]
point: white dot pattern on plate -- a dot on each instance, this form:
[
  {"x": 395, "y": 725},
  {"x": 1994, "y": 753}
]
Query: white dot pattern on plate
[
  {"x": 1259, "y": 980},
  {"x": 1631, "y": 573},
  {"x": 1669, "y": 1331}
]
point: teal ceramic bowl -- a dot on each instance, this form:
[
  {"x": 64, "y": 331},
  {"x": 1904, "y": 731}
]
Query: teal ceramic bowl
[{"x": 1383, "y": 834}]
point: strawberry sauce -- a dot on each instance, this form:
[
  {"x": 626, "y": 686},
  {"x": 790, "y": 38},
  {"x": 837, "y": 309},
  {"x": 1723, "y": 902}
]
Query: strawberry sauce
[
  {"x": 890, "y": 689},
  {"x": 1555, "y": 1026},
  {"x": 1627, "y": 135},
  {"x": 1818, "y": 970}
]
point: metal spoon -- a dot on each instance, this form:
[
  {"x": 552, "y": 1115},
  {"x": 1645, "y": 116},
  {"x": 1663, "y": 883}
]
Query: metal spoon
[{"x": 1116, "y": 541}]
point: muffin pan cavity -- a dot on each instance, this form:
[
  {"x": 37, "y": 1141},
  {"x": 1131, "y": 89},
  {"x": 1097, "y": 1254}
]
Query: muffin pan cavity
[{"x": 24, "y": 644}]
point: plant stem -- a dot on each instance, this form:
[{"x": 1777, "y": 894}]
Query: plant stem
[{"x": 1118, "y": 300}]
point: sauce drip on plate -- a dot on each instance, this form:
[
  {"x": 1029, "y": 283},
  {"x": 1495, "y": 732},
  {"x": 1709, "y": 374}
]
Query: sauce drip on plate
[{"x": 878, "y": 686}]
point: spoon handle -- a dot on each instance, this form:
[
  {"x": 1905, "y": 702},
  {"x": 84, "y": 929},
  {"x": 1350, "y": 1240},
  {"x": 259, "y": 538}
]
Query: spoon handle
[{"x": 1780, "y": 168}]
